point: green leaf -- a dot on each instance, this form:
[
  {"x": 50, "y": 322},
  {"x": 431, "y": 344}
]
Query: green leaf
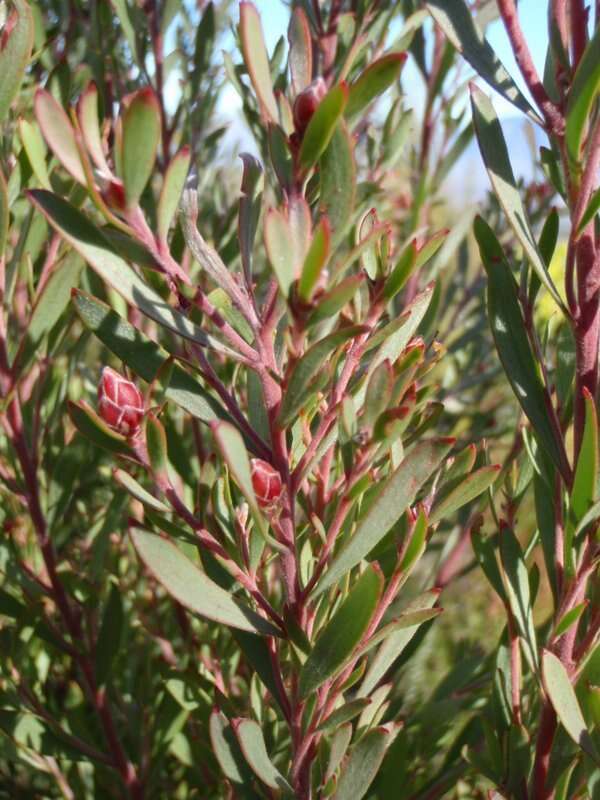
[
  {"x": 322, "y": 125},
  {"x": 141, "y": 135},
  {"x": 583, "y": 93},
  {"x": 315, "y": 260},
  {"x": 192, "y": 588},
  {"x": 343, "y": 633},
  {"x": 226, "y": 749},
  {"x": 518, "y": 593},
  {"x": 172, "y": 187},
  {"x": 416, "y": 546},
  {"x": 508, "y": 329},
  {"x": 280, "y": 249},
  {"x": 258, "y": 656},
  {"x": 377, "y": 77},
  {"x": 590, "y": 212},
  {"x": 585, "y": 483},
  {"x": 339, "y": 746},
  {"x": 89, "y": 241},
  {"x": 401, "y": 272},
  {"x": 495, "y": 155},
  {"x": 145, "y": 358},
  {"x": 337, "y": 175},
  {"x": 467, "y": 489},
  {"x": 569, "y": 619},
  {"x": 344, "y": 713},
  {"x": 130, "y": 485},
  {"x": 378, "y": 395},
  {"x": 87, "y": 114},
  {"x": 363, "y": 764},
  {"x": 4, "y": 213},
  {"x": 93, "y": 428},
  {"x": 335, "y": 299},
  {"x": 252, "y": 744},
  {"x": 306, "y": 369},
  {"x": 14, "y": 55},
  {"x": 457, "y": 22},
  {"x": 397, "y": 640},
  {"x": 256, "y": 59},
  {"x": 50, "y": 305},
  {"x": 35, "y": 148},
  {"x": 109, "y": 636},
  {"x": 58, "y": 133},
  {"x": 233, "y": 451},
  {"x": 562, "y": 695},
  {"x": 397, "y": 493},
  {"x": 300, "y": 53},
  {"x": 156, "y": 445},
  {"x": 250, "y": 206}
]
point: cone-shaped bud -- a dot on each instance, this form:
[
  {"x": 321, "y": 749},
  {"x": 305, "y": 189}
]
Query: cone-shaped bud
[
  {"x": 266, "y": 482},
  {"x": 120, "y": 402},
  {"x": 306, "y": 103}
]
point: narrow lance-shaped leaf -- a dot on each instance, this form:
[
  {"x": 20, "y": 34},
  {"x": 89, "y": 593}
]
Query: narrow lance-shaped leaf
[
  {"x": 14, "y": 55},
  {"x": 192, "y": 588},
  {"x": 344, "y": 631},
  {"x": 363, "y": 764},
  {"x": 337, "y": 172},
  {"x": 564, "y": 700},
  {"x": 335, "y": 299},
  {"x": 137, "y": 491},
  {"x": 171, "y": 190},
  {"x": 231, "y": 446},
  {"x": 590, "y": 212},
  {"x": 109, "y": 636},
  {"x": 58, "y": 133},
  {"x": 398, "y": 491},
  {"x": 322, "y": 125},
  {"x": 141, "y": 135},
  {"x": 396, "y": 641},
  {"x": 583, "y": 92},
  {"x": 35, "y": 148},
  {"x": 280, "y": 249},
  {"x": 315, "y": 260},
  {"x": 585, "y": 482},
  {"x": 456, "y": 20},
  {"x": 516, "y": 584},
  {"x": 256, "y": 59},
  {"x": 300, "y": 57},
  {"x": 378, "y": 77},
  {"x": 466, "y": 490},
  {"x": 87, "y": 114},
  {"x": 226, "y": 749},
  {"x": 495, "y": 155},
  {"x": 156, "y": 445},
  {"x": 250, "y": 204},
  {"x": 89, "y": 241},
  {"x": 512, "y": 344},
  {"x": 252, "y": 744},
  {"x": 344, "y": 713}
]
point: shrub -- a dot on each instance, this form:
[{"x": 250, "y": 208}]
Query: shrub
[{"x": 253, "y": 419}]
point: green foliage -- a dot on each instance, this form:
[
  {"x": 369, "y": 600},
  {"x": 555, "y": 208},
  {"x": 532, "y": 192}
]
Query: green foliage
[{"x": 330, "y": 529}]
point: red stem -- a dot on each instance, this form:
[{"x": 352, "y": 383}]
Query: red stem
[{"x": 510, "y": 17}]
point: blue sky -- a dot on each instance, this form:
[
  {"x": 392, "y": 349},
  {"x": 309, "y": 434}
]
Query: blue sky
[{"x": 532, "y": 13}]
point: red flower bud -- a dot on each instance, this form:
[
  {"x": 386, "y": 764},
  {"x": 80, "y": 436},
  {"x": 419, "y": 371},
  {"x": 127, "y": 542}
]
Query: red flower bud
[
  {"x": 120, "y": 402},
  {"x": 306, "y": 103},
  {"x": 266, "y": 482}
]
